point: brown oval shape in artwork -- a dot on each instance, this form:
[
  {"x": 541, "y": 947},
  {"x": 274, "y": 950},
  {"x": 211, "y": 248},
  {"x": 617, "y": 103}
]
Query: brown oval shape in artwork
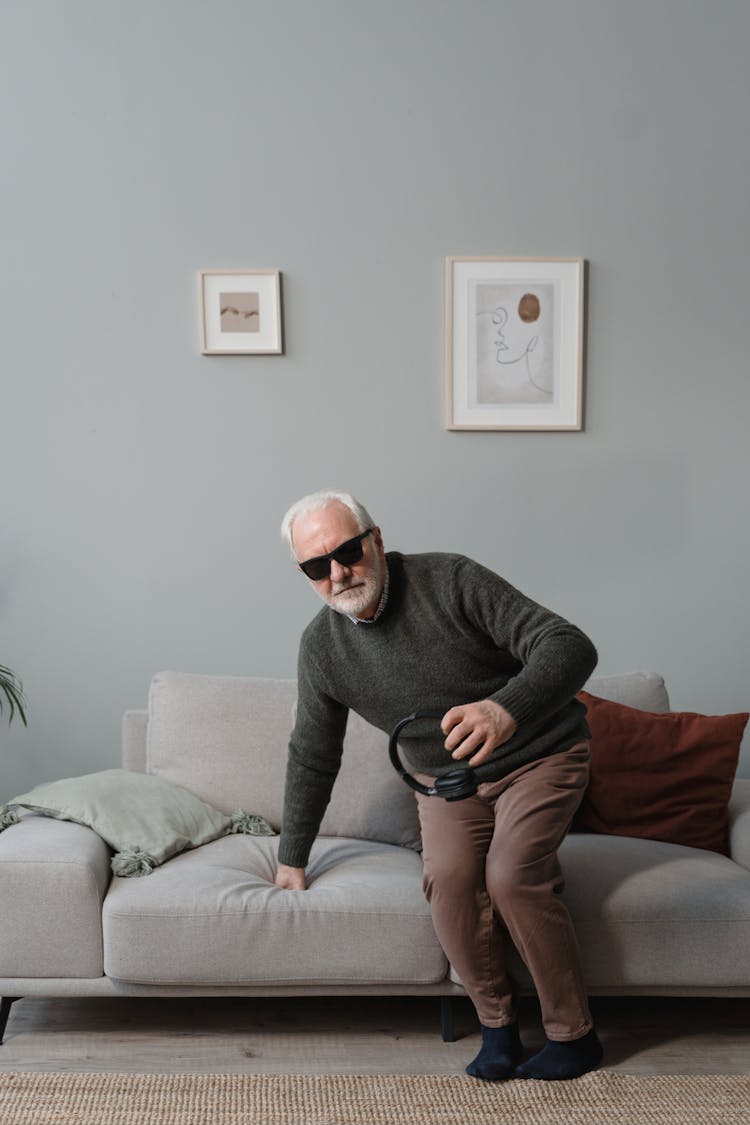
[{"x": 529, "y": 308}]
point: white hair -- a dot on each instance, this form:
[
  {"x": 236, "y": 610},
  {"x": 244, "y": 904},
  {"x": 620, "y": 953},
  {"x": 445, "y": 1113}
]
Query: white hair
[{"x": 321, "y": 499}]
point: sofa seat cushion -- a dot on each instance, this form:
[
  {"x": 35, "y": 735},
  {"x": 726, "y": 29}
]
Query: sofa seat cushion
[
  {"x": 652, "y": 915},
  {"x": 213, "y": 916}
]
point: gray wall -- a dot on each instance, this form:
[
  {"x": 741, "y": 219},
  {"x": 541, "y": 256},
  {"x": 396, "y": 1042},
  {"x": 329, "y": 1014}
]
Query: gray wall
[{"x": 354, "y": 145}]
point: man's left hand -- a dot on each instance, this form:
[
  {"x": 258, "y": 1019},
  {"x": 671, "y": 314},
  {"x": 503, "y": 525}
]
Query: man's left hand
[{"x": 477, "y": 729}]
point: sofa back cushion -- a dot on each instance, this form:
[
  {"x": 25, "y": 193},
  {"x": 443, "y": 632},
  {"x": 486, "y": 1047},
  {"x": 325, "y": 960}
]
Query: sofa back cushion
[
  {"x": 644, "y": 690},
  {"x": 225, "y": 738}
]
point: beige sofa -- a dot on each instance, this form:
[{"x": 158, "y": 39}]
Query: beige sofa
[{"x": 651, "y": 917}]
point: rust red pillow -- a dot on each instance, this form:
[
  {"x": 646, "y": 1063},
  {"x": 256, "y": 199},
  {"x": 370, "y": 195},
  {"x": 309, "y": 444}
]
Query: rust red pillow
[{"x": 660, "y": 776}]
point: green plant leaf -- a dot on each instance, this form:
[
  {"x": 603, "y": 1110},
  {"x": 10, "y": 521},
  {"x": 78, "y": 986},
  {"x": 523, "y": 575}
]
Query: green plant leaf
[{"x": 12, "y": 688}]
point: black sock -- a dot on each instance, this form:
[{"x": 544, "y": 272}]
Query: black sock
[
  {"x": 560, "y": 1060},
  {"x": 501, "y": 1050}
]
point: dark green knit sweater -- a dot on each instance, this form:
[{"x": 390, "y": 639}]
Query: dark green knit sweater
[{"x": 451, "y": 632}]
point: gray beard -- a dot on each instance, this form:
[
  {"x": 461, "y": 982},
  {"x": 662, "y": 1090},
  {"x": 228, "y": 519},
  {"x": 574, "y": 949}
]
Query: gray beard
[{"x": 361, "y": 596}]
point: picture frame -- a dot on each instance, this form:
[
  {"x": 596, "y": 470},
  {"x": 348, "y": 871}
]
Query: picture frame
[
  {"x": 514, "y": 343},
  {"x": 240, "y": 312}
]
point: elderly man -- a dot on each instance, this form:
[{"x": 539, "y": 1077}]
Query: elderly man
[{"x": 401, "y": 632}]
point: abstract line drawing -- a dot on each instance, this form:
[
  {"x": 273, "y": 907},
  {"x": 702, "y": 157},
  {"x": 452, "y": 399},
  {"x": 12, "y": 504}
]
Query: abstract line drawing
[
  {"x": 514, "y": 343},
  {"x": 528, "y": 312}
]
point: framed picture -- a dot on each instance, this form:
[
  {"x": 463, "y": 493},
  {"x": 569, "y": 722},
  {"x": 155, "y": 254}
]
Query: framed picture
[
  {"x": 240, "y": 312},
  {"x": 514, "y": 343}
]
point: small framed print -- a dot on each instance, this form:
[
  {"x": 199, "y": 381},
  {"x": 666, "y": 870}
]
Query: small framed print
[
  {"x": 514, "y": 343},
  {"x": 240, "y": 312}
]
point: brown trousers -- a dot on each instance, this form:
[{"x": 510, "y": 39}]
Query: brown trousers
[{"x": 491, "y": 866}]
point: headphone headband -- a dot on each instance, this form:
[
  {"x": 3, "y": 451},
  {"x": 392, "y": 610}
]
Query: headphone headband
[{"x": 454, "y": 785}]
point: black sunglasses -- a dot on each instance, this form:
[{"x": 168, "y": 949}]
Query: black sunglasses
[{"x": 347, "y": 554}]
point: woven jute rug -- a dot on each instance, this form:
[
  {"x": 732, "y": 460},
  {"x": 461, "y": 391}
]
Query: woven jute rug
[{"x": 602, "y": 1098}]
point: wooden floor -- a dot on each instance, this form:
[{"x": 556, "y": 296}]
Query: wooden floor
[{"x": 362, "y": 1035}]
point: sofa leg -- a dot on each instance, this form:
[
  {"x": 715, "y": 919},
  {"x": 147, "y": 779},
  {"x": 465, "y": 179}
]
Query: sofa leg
[
  {"x": 5, "y": 1003},
  {"x": 446, "y": 1018}
]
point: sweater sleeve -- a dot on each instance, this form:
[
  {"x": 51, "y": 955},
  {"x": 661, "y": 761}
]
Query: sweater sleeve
[
  {"x": 555, "y": 657},
  {"x": 315, "y": 750}
]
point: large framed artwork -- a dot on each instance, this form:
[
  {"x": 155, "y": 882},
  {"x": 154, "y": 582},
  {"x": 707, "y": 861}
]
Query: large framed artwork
[
  {"x": 514, "y": 343},
  {"x": 240, "y": 312}
]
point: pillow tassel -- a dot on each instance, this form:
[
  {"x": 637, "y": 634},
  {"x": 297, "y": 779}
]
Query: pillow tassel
[
  {"x": 250, "y": 824},
  {"x": 8, "y": 816},
  {"x": 132, "y": 862}
]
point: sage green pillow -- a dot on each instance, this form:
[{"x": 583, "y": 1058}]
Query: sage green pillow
[{"x": 144, "y": 819}]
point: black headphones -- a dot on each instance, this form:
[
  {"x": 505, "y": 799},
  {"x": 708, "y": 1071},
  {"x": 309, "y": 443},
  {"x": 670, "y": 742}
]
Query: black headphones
[{"x": 453, "y": 786}]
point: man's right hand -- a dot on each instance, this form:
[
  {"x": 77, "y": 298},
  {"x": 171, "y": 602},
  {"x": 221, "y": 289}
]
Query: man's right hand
[{"x": 290, "y": 878}]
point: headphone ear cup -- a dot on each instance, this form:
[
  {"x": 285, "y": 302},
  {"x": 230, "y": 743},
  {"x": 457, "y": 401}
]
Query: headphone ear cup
[{"x": 456, "y": 784}]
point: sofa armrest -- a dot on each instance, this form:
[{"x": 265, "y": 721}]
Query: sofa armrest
[
  {"x": 53, "y": 878},
  {"x": 739, "y": 822}
]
